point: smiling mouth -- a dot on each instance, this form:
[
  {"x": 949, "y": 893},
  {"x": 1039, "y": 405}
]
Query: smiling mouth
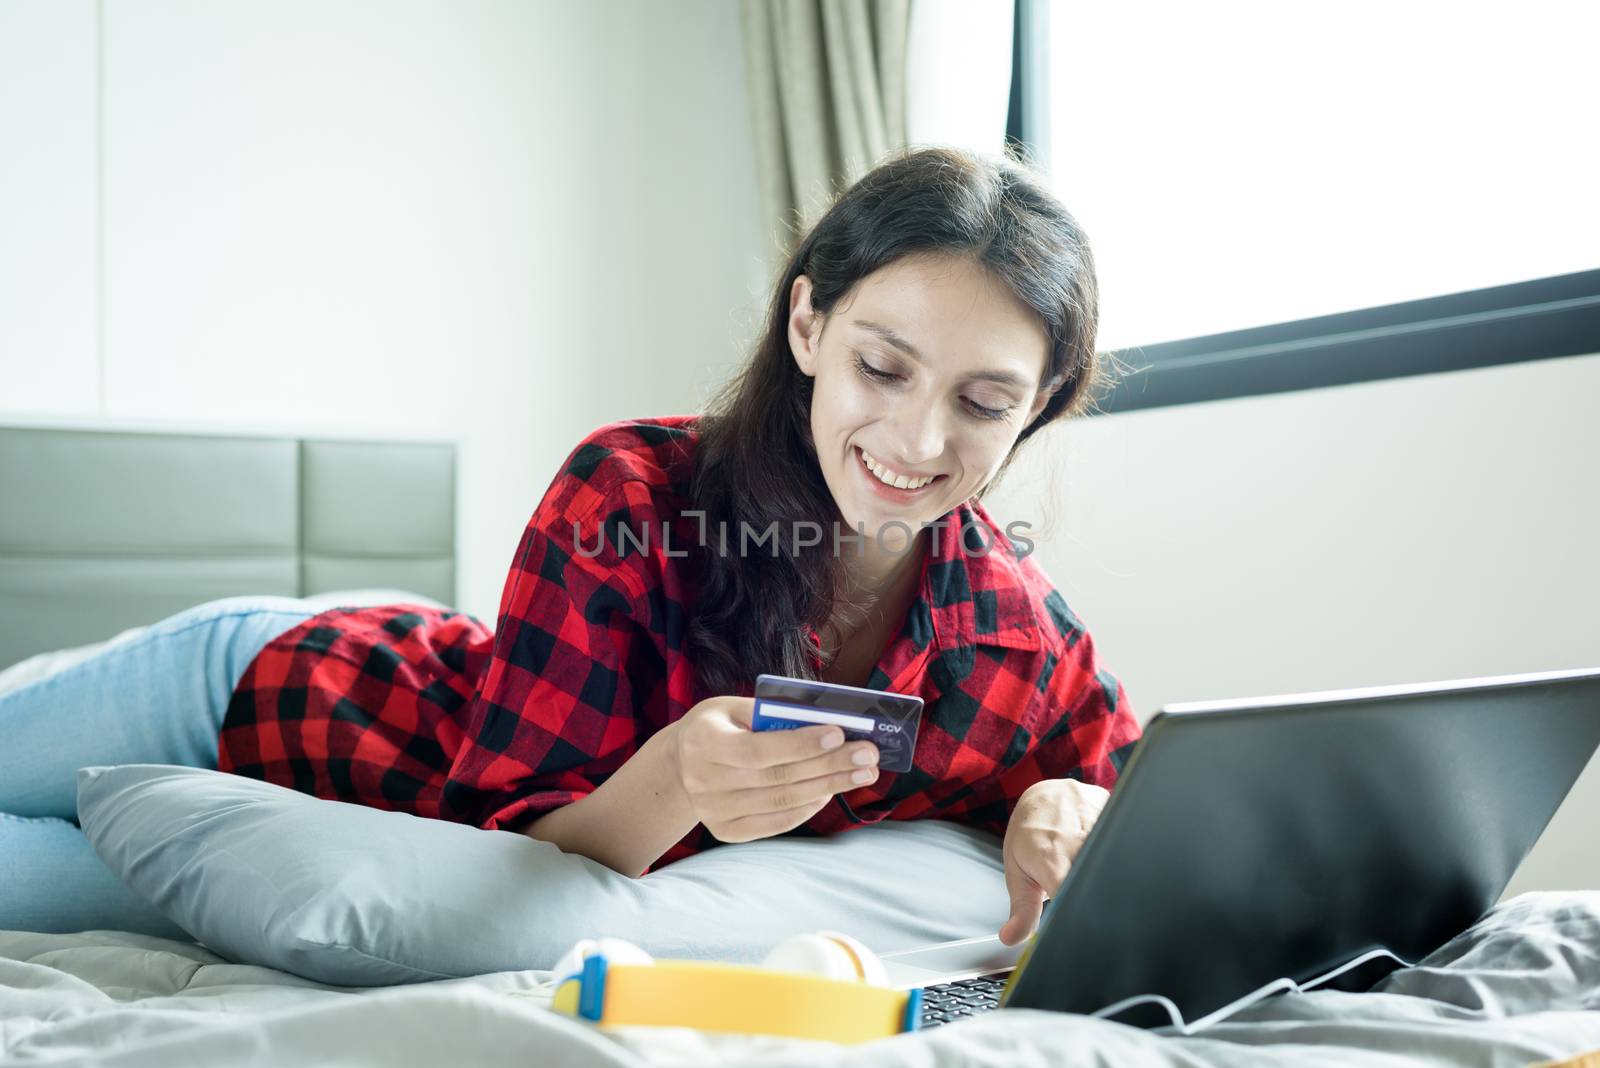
[{"x": 889, "y": 480}]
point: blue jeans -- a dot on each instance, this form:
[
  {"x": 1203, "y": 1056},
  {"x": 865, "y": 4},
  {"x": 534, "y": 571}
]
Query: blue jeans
[{"x": 157, "y": 699}]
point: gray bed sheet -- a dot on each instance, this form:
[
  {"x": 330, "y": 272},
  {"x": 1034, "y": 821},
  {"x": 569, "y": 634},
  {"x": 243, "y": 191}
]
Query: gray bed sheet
[{"x": 1520, "y": 987}]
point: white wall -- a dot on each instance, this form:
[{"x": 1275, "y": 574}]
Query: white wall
[
  {"x": 1436, "y": 527},
  {"x": 958, "y": 73},
  {"x": 48, "y": 307},
  {"x": 500, "y": 222}
]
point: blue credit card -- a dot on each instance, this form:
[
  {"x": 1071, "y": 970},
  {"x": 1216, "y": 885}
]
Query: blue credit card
[{"x": 887, "y": 719}]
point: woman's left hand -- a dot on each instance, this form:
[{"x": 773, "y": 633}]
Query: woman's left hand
[{"x": 1046, "y": 830}]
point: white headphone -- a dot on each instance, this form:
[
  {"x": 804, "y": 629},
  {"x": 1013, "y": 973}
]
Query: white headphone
[{"x": 826, "y": 953}]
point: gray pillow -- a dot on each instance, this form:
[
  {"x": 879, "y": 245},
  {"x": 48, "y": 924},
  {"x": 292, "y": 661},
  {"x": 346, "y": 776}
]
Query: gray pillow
[{"x": 359, "y": 896}]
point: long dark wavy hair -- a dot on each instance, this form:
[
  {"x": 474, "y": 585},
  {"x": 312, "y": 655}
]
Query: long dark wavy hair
[{"x": 756, "y": 462}]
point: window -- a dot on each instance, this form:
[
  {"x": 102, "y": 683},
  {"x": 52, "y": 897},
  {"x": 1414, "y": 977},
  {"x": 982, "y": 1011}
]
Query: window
[{"x": 1239, "y": 164}]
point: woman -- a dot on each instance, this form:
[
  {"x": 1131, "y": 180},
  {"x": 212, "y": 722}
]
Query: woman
[{"x": 821, "y": 520}]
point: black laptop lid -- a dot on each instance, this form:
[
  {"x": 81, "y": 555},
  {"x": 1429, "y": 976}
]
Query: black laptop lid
[{"x": 1282, "y": 837}]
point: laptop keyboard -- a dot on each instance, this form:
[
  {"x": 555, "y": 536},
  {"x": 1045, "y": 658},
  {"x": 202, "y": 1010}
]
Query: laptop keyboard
[{"x": 944, "y": 1003}]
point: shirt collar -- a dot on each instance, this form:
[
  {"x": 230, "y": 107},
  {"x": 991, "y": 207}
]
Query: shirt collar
[
  {"x": 970, "y": 598},
  {"x": 973, "y": 596}
]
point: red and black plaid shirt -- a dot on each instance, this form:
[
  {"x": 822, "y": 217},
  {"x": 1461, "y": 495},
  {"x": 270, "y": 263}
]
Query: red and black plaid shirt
[{"x": 427, "y": 711}]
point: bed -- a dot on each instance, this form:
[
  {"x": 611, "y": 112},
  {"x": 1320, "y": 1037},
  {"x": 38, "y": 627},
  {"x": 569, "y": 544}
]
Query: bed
[
  {"x": 111, "y": 531},
  {"x": 1520, "y": 988},
  {"x": 104, "y": 531}
]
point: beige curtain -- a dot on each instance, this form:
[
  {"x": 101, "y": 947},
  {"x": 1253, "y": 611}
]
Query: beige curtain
[{"x": 827, "y": 85}]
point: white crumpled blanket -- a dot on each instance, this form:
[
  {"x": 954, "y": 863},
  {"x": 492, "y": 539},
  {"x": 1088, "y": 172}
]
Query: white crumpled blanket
[{"x": 1521, "y": 986}]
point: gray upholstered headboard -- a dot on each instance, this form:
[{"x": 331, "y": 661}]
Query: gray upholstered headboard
[{"x": 101, "y": 530}]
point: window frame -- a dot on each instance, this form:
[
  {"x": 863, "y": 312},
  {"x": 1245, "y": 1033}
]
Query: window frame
[{"x": 1516, "y": 323}]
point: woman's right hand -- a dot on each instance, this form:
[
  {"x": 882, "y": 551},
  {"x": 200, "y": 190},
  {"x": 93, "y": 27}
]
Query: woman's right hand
[{"x": 745, "y": 784}]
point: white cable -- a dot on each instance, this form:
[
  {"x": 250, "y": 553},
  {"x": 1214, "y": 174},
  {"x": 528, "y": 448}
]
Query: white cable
[{"x": 1282, "y": 984}]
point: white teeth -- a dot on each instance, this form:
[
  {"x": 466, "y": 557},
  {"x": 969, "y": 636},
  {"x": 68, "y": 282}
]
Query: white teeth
[{"x": 897, "y": 481}]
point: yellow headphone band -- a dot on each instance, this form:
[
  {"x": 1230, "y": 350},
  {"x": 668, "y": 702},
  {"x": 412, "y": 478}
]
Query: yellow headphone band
[{"x": 714, "y": 996}]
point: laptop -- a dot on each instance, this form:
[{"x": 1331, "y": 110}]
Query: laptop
[{"x": 1284, "y": 842}]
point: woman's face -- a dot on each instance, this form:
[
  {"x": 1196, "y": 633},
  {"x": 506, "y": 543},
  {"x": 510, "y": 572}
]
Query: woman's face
[{"x": 929, "y": 368}]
